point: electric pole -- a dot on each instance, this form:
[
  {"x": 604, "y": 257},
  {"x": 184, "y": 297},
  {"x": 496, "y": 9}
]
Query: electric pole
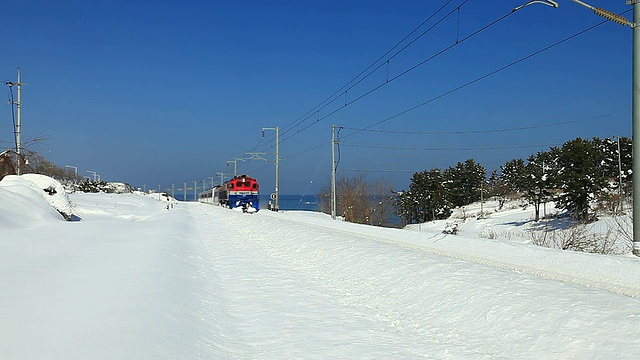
[
  {"x": 185, "y": 192},
  {"x": 334, "y": 142},
  {"x": 277, "y": 193},
  {"x": 18, "y": 131},
  {"x": 235, "y": 165},
  {"x": 195, "y": 191},
  {"x": 221, "y": 174}
]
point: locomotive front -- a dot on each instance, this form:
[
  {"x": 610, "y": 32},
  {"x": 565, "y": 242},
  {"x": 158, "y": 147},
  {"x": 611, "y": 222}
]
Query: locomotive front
[{"x": 242, "y": 192}]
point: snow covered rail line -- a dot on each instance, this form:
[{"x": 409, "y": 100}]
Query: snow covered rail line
[
  {"x": 443, "y": 304},
  {"x": 545, "y": 263},
  {"x": 133, "y": 279}
]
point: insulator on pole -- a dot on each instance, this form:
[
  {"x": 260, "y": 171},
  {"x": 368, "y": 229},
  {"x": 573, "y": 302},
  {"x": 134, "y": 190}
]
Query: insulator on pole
[{"x": 618, "y": 19}]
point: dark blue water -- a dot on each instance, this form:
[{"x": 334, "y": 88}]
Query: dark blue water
[
  {"x": 287, "y": 202},
  {"x": 292, "y": 202},
  {"x": 297, "y": 202}
]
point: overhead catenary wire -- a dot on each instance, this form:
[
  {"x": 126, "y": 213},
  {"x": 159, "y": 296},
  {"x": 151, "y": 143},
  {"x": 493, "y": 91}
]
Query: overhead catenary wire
[
  {"x": 345, "y": 87},
  {"x": 380, "y": 171},
  {"x": 469, "y": 148},
  {"x": 401, "y": 74},
  {"x": 465, "y": 85},
  {"x": 359, "y": 78},
  {"x": 522, "y": 128},
  {"x": 458, "y": 41},
  {"x": 485, "y": 76},
  {"x": 476, "y": 80}
]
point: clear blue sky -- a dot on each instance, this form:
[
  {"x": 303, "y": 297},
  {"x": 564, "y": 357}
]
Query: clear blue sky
[{"x": 166, "y": 92}]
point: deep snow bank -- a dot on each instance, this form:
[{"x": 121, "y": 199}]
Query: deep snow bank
[{"x": 30, "y": 199}]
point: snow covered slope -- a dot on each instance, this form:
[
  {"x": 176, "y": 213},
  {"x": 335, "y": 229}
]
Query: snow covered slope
[{"x": 137, "y": 278}]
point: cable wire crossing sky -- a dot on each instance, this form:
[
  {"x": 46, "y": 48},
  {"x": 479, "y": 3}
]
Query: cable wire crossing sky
[{"x": 170, "y": 93}]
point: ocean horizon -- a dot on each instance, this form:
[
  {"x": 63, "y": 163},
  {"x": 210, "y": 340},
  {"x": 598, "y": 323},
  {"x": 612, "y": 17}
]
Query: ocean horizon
[{"x": 287, "y": 202}]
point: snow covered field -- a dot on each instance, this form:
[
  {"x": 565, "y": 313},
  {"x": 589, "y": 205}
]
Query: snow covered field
[{"x": 141, "y": 278}]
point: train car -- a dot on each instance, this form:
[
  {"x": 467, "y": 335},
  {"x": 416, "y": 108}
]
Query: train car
[
  {"x": 241, "y": 192},
  {"x": 206, "y": 196}
]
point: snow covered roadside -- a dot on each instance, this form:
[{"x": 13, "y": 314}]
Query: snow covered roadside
[
  {"x": 420, "y": 305},
  {"x": 137, "y": 279},
  {"x": 103, "y": 287},
  {"x": 618, "y": 274}
]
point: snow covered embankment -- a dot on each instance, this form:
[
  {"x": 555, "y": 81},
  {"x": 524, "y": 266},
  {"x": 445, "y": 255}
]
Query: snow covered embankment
[
  {"x": 31, "y": 198},
  {"x": 617, "y": 274}
]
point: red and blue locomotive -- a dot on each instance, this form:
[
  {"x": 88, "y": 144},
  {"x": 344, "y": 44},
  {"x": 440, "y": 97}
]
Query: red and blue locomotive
[{"x": 240, "y": 192}]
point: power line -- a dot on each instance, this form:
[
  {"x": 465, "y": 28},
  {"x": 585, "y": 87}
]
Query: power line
[
  {"x": 375, "y": 88},
  {"x": 478, "y": 79},
  {"x": 338, "y": 94},
  {"x": 476, "y": 148},
  {"x": 480, "y": 131},
  {"x": 487, "y": 75},
  {"x": 549, "y": 47},
  {"x": 331, "y": 98},
  {"x": 380, "y": 171}
]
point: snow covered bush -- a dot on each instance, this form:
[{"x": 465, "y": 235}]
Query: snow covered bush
[
  {"x": 488, "y": 233},
  {"x": 578, "y": 238},
  {"x": 451, "y": 228}
]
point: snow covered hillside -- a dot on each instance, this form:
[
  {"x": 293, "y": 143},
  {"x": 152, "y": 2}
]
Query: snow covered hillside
[{"x": 145, "y": 278}]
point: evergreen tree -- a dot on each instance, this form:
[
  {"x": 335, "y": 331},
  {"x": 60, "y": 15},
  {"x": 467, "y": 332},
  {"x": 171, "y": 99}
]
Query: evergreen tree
[
  {"x": 514, "y": 175},
  {"x": 613, "y": 160},
  {"x": 538, "y": 179},
  {"x": 405, "y": 207},
  {"x": 581, "y": 177},
  {"x": 429, "y": 195},
  {"x": 464, "y": 182}
]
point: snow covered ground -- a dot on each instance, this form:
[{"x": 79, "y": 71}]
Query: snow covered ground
[{"x": 142, "y": 278}]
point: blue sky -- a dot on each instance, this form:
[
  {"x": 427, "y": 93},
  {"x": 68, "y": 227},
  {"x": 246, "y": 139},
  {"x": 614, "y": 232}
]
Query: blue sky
[{"x": 166, "y": 92}]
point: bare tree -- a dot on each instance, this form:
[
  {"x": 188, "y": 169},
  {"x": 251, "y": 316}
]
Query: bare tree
[{"x": 359, "y": 201}]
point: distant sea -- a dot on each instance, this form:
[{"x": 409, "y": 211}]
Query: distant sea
[
  {"x": 293, "y": 202},
  {"x": 287, "y": 202},
  {"x": 296, "y": 202}
]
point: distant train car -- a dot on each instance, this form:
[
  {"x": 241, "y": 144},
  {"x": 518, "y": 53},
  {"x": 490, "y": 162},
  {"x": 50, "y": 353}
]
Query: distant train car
[
  {"x": 206, "y": 196},
  {"x": 240, "y": 192}
]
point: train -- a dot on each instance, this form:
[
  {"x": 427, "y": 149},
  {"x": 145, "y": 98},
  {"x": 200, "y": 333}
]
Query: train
[{"x": 241, "y": 192}]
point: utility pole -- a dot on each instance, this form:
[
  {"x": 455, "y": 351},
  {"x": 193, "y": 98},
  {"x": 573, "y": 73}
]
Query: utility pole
[
  {"x": 195, "y": 191},
  {"x": 173, "y": 191},
  {"x": 277, "y": 199},
  {"x": 221, "y": 174},
  {"x": 481, "y": 201},
  {"x": 636, "y": 127},
  {"x": 235, "y": 165},
  {"x": 18, "y": 129},
  {"x": 635, "y": 96},
  {"x": 75, "y": 169},
  {"x": 620, "y": 176},
  {"x": 334, "y": 142}
]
